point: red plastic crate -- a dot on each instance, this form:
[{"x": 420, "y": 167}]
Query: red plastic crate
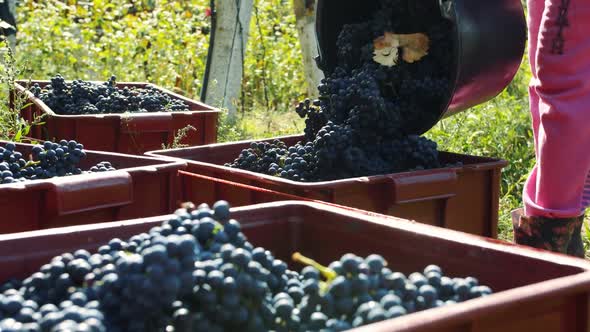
[
  {"x": 133, "y": 133},
  {"x": 140, "y": 187},
  {"x": 462, "y": 198},
  {"x": 534, "y": 290},
  {"x": 205, "y": 189}
]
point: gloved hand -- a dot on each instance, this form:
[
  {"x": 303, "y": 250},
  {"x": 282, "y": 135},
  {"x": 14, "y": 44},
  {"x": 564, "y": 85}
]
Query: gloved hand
[{"x": 561, "y": 235}]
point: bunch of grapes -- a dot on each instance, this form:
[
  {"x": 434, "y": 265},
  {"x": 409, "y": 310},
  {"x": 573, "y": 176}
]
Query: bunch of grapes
[
  {"x": 46, "y": 161},
  {"x": 361, "y": 123},
  {"x": 262, "y": 157},
  {"x": 82, "y": 97},
  {"x": 359, "y": 291},
  {"x": 103, "y": 166},
  {"x": 197, "y": 271},
  {"x": 315, "y": 119},
  {"x": 296, "y": 162}
]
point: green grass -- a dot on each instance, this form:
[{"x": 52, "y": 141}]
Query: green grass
[{"x": 164, "y": 44}]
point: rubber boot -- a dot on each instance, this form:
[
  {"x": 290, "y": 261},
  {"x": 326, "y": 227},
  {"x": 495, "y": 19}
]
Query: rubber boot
[
  {"x": 562, "y": 235},
  {"x": 576, "y": 246}
]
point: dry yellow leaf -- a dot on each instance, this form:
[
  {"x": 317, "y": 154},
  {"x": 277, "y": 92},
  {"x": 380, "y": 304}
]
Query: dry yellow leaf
[
  {"x": 415, "y": 46},
  {"x": 389, "y": 39},
  {"x": 386, "y": 48}
]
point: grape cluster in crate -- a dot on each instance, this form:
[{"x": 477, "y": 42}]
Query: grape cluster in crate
[
  {"x": 46, "y": 161},
  {"x": 198, "y": 272},
  {"x": 82, "y": 97}
]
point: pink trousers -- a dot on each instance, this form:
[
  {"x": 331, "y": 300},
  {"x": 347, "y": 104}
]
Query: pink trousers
[{"x": 559, "y": 55}]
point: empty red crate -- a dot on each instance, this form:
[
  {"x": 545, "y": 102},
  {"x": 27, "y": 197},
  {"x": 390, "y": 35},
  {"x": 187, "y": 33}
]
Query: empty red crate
[
  {"x": 132, "y": 133},
  {"x": 462, "y": 198},
  {"x": 534, "y": 290},
  {"x": 140, "y": 187}
]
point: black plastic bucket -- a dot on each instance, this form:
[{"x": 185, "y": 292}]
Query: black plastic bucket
[{"x": 490, "y": 39}]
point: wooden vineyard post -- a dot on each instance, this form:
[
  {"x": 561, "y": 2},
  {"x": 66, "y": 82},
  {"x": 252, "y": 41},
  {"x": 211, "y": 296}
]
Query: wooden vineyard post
[
  {"x": 224, "y": 80},
  {"x": 305, "y": 12}
]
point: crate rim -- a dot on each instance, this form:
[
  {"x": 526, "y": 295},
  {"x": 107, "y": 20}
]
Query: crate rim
[
  {"x": 487, "y": 163},
  {"x": 46, "y": 109},
  {"x": 163, "y": 165},
  {"x": 400, "y": 224}
]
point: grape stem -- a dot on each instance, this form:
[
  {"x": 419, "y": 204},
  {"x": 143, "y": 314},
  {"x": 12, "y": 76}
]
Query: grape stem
[
  {"x": 327, "y": 272},
  {"x": 30, "y": 163},
  {"x": 35, "y": 163}
]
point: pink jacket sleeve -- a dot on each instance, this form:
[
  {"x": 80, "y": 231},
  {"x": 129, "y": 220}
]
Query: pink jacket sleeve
[{"x": 559, "y": 53}]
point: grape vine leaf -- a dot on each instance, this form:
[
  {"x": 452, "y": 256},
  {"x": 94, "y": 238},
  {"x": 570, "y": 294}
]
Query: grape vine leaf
[{"x": 387, "y": 48}]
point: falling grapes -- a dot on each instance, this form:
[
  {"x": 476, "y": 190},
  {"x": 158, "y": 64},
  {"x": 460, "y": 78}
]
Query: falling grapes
[
  {"x": 82, "y": 97},
  {"x": 359, "y": 124},
  {"x": 197, "y": 271}
]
